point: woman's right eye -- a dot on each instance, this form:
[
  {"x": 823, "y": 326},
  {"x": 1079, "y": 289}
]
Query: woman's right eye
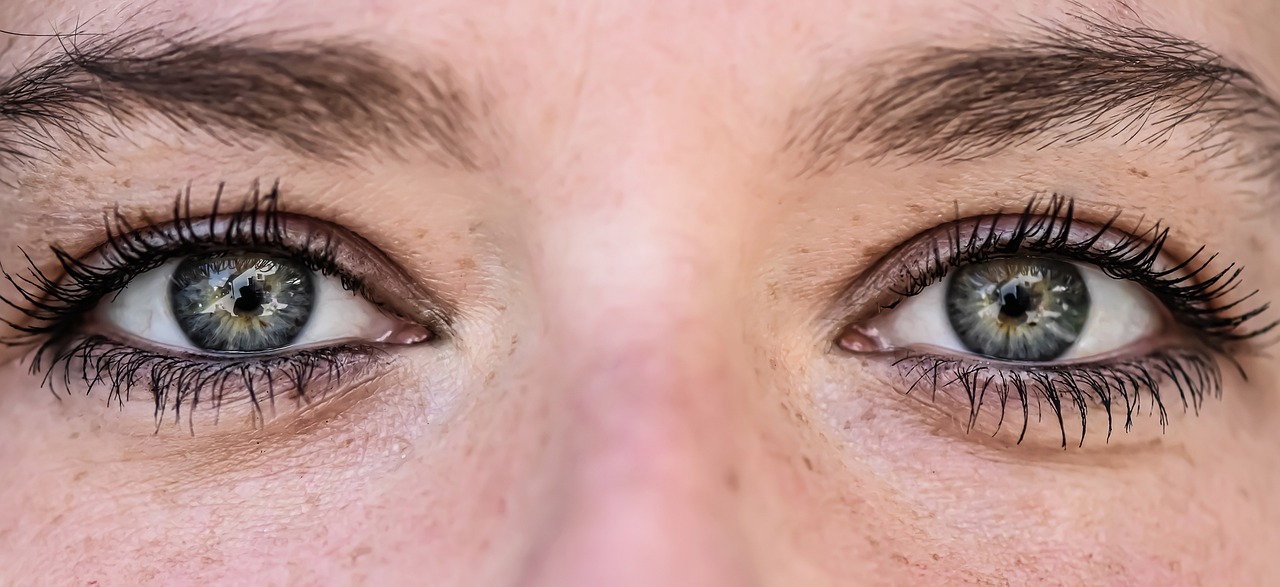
[{"x": 246, "y": 303}]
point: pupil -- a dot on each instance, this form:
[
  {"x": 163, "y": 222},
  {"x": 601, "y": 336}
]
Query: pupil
[
  {"x": 250, "y": 301},
  {"x": 1016, "y": 300}
]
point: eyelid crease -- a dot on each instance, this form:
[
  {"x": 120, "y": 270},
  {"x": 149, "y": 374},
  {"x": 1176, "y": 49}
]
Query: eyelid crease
[{"x": 1196, "y": 293}]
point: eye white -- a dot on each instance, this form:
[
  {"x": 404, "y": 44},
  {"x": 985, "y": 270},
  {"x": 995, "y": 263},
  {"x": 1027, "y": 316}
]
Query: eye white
[
  {"x": 142, "y": 310},
  {"x": 1121, "y": 313}
]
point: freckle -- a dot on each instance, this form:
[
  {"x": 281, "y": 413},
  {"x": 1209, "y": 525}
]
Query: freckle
[
  {"x": 490, "y": 377},
  {"x": 1139, "y": 172},
  {"x": 80, "y": 476},
  {"x": 773, "y": 364},
  {"x": 74, "y": 435},
  {"x": 467, "y": 264},
  {"x": 731, "y": 480},
  {"x": 808, "y": 463}
]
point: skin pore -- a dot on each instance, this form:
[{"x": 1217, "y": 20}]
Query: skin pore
[{"x": 646, "y": 225}]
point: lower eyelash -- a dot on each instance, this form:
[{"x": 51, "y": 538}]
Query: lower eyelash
[
  {"x": 1112, "y": 386},
  {"x": 178, "y": 383}
]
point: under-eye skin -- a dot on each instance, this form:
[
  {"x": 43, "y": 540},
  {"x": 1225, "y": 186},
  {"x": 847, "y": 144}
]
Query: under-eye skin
[
  {"x": 242, "y": 306},
  {"x": 1042, "y": 316}
]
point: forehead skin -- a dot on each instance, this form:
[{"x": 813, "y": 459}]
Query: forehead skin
[{"x": 631, "y": 200}]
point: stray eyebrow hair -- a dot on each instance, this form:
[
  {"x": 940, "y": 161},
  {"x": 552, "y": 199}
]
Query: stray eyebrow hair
[
  {"x": 1058, "y": 86},
  {"x": 330, "y": 99}
]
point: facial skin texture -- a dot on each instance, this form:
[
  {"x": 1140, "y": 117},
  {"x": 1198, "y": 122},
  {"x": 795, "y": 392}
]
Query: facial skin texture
[{"x": 641, "y": 386}]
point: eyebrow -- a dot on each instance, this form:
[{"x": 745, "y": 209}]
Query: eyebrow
[
  {"x": 1060, "y": 85},
  {"x": 332, "y": 100}
]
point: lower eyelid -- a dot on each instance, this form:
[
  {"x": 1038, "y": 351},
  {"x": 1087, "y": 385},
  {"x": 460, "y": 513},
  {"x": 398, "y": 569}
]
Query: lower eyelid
[
  {"x": 1063, "y": 397},
  {"x": 179, "y": 386}
]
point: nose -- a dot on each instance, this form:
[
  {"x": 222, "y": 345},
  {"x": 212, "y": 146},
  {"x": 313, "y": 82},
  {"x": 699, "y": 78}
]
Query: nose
[
  {"x": 648, "y": 495},
  {"x": 653, "y": 419}
]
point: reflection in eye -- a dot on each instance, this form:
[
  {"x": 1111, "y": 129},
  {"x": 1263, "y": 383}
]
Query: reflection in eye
[
  {"x": 1027, "y": 309},
  {"x": 242, "y": 303},
  {"x": 1053, "y": 315},
  {"x": 240, "y": 306}
]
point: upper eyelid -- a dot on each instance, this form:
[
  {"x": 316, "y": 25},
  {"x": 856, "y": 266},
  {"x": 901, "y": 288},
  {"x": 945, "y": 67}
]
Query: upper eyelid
[
  {"x": 877, "y": 289},
  {"x": 257, "y": 223}
]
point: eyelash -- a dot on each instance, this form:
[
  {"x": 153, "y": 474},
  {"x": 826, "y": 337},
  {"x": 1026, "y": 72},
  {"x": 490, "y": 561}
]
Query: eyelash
[
  {"x": 55, "y": 309},
  {"x": 1195, "y": 296}
]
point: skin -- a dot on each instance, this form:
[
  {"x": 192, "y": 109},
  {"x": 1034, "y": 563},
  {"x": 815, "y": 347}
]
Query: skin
[{"x": 642, "y": 388}]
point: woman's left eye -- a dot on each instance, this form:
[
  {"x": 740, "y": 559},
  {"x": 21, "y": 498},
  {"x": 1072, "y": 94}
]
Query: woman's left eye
[
  {"x": 242, "y": 303},
  {"x": 1023, "y": 309}
]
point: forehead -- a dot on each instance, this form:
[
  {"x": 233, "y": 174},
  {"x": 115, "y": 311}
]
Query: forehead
[
  {"x": 649, "y": 77},
  {"x": 736, "y": 38}
]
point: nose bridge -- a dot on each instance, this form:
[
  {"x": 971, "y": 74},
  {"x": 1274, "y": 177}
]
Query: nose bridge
[{"x": 648, "y": 392}]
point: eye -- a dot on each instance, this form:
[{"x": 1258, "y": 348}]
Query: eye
[
  {"x": 1024, "y": 309},
  {"x": 238, "y": 306},
  {"x": 1046, "y": 315},
  {"x": 242, "y": 302}
]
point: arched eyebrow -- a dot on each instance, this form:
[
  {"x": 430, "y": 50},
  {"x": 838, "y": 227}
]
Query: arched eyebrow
[
  {"x": 332, "y": 100},
  {"x": 1059, "y": 85}
]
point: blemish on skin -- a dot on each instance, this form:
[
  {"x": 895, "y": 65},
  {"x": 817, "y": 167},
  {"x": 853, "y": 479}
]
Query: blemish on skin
[
  {"x": 360, "y": 551},
  {"x": 808, "y": 462},
  {"x": 773, "y": 364},
  {"x": 467, "y": 264},
  {"x": 80, "y": 476},
  {"x": 1139, "y": 172}
]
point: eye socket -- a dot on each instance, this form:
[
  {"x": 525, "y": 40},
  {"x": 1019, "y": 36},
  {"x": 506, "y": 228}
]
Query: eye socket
[
  {"x": 1023, "y": 309},
  {"x": 246, "y": 303}
]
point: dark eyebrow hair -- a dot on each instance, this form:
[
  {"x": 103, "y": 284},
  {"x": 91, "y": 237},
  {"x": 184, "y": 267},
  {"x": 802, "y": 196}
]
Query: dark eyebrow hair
[
  {"x": 330, "y": 99},
  {"x": 1061, "y": 85}
]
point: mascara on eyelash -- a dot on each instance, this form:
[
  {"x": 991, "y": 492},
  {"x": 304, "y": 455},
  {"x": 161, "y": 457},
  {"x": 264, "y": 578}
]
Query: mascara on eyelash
[
  {"x": 1198, "y": 296},
  {"x": 48, "y": 301}
]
